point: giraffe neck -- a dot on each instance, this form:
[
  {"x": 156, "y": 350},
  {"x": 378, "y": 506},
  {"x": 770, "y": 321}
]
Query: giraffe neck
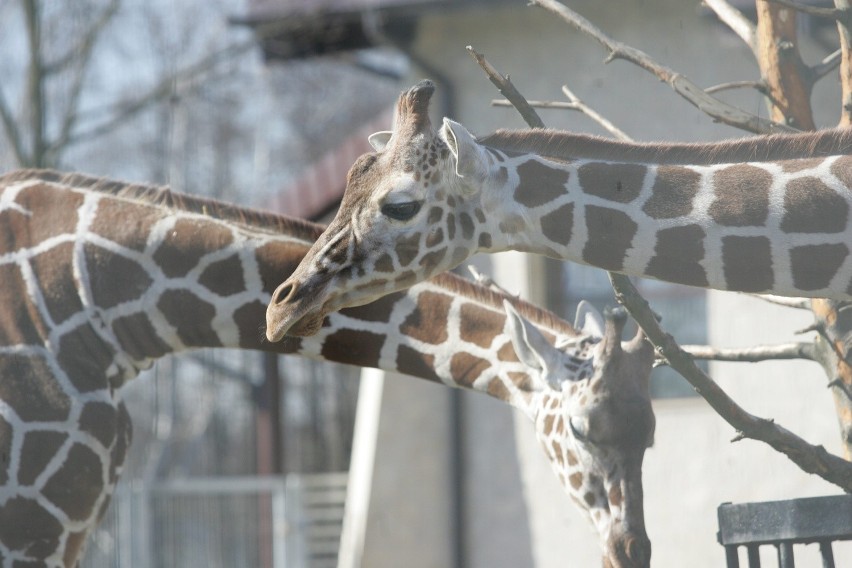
[
  {"x": 152, "y": 279},
  {"x": 768, "y": 215}
]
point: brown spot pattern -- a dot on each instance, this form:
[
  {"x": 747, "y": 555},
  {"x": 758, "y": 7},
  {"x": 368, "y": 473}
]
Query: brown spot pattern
[
  {"x": 55, "y": 275},
  {"x": 361, "y": 348},
  {"x": 498, "y": 390},
  {"x": 378, "y": 311},
  {"x": 30, "y": 527},
  {"x": 434, "y": 237},
  {"x": 814, "y": 266},
  {"x": 467, "y": 227},
  {"x": 558, "y": 224},
  {"x": 114, "y": 279},
  {"x": 77, "y": 484},
  {"x": 677, "y": 255},
  {"x": 188, "y": 241},
  {"x": 615, "y": 496},
  {"x": 191, "y": 317},
  {"x": 610, "y": 235},
  {"x": 224, "y": 277},
  {"x": 5, "y": 450},
  {"x": 99, "y": 419},
  {"x": 842, "y": 170},
  {"x": 742, "y": 196},
  {"x": 138, "y": 337},
  {"x": 112, "y": 216},
  {"x": 539, "y": 183},
  {"x": 672, "y": 194},
  {"x": 615, "y": 182},
  {"x": 810, "y": 206},
  {"x": 428, "y": 322},
  {"x": 466, "y": 368},
  {"x": 507, "y": 353},
  {"x": 57, "y": 211},
  {"x": 38, "y": 449},
  {"x": 411, "y": 362},
  {"x": 407, "y": 249},
  {"x": 477, "y": 324},
  {"x": 384, "y": 263},
  {"x": 747, "y": 263},
  {"x": 576, "y": 479},
  {"x": 512, "y": 224},
  {"x": 792, "y": 166},
  {"x": 21, "y": 323},
  {"x": 85, "y": 357},
  {"x": 29, "y": 389}
]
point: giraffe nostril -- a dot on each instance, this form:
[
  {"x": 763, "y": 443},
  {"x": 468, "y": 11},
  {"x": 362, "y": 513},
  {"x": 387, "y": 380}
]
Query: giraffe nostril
[{"x": 284, "y": 293}]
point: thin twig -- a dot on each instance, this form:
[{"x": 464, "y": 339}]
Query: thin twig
[
  {"x": 828, "y": 64},
  {"x": 756, "y": 354},
  {"x": 798, "y": 303},
  {"x": 594, "y": 115},
  {"x": 556, "y": 105},
  {"x": 759, "y": 86},
  {"x": 717, "y": 109},
  {"x": 507, "y": 89},
  {"x": 735, "y": 20}
]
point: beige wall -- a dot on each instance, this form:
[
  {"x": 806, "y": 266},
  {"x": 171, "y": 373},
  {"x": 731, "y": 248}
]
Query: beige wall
[{"x": 693, "y": 466}]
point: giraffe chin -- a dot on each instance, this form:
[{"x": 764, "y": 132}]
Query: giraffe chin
[{"x": 303, "y": 325}]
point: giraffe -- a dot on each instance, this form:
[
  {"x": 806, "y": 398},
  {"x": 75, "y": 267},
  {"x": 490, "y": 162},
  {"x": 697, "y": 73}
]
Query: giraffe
[
  {"x": 764, "y": 215},
  {"x": 101, "y": 278}
]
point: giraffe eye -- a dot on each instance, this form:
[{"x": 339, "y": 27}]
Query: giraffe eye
[{"x": 401, "y": 211}]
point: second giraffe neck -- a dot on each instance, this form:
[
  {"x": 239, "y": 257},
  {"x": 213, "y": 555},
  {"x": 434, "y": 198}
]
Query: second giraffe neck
[
  {"x": 767, "y": 217},
  {"x": 156, "y": 279}
]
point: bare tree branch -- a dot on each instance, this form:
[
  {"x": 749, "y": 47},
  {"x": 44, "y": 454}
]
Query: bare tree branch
[
  {"x": 833, "y": 13},
  {"x": 124, "y": 111},
  {"x": 10, "y": 127},
  {"x": 735, "y": 20},
  {"x": 507, "y": 89},
  {"x": 80, "y": 57},
  {"x": 800, "y": 350},
  {"x": 798, "y": 303},
  {"x": 810, "y": 458},
  {"x": 717, "y": 109}
]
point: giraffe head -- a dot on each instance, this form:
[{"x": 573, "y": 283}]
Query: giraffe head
[
  {"x": 596, "y": 428},
  {"x": 409, "y": 212}
]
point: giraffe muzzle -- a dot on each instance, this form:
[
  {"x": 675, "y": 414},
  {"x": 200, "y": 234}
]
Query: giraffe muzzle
[{"x": 295, "y": 309}]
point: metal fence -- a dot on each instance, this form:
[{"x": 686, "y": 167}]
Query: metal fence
[{"x": 268, "y": 522}]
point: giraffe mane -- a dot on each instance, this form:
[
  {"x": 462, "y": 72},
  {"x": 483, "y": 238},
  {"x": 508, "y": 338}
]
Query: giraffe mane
[
  {"x": 164, "y": 197},
  {"x": 566, "y": 146},
  {"x": 493, "y": 298},
  {"x": 305, "y": 230}
]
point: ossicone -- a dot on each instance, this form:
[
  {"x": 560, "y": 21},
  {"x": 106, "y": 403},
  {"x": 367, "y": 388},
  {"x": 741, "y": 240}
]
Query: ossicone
[{"x": 412, "y": 109}]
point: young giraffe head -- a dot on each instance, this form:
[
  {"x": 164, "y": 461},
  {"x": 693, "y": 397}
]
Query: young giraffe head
[
  {"x": 596, "y": 428},
  {"x": 405, "y": 216}
]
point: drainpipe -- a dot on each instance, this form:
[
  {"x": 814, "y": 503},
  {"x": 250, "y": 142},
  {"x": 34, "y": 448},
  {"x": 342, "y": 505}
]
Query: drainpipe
[{"x": 373, "y": 26}]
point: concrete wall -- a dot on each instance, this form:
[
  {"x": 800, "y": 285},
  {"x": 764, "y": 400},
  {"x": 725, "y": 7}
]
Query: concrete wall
[{"x": 518, "y": 514}]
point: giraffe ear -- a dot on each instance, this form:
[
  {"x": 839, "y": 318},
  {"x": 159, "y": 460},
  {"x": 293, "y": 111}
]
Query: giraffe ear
[
  {"x": 589, "y": 320},
  {"x": 471, "y": 165},
  {"x": 379, "y": 140},
  {"x": 531, "y": 346}
]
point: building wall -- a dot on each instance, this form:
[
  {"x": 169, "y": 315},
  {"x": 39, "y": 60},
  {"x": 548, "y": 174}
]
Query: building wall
[{"x": 693, "y": 467}]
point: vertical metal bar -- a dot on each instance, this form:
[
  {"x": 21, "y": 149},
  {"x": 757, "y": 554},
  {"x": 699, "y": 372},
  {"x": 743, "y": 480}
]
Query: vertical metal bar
[
  {"x": 732, "y": 557},
  {"x": 785, "y": 555},
  {"x": 279, "y": 526},
  {"x": 753, "y": 556},
  {"x": 826, "y": 553}
]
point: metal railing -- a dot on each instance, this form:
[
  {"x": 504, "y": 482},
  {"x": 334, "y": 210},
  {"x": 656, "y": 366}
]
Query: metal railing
[
  {"x": 269, "y": 522},
  {"x": 782, "y": 524}
]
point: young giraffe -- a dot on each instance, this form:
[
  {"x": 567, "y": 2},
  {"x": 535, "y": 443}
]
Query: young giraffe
[
  {"x": 101, "y": 278},
  {"x": 768, "y": 214}
]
